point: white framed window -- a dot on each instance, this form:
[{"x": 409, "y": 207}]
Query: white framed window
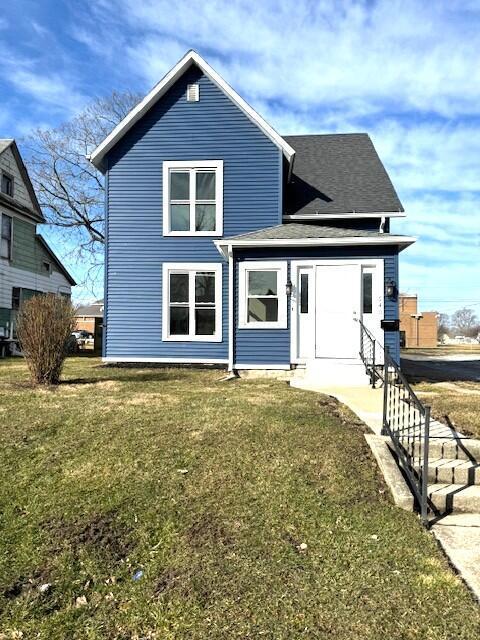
[
  {"x": 193, "y": 198},
  {"x": 6, "y": 225},
  {"x": 263, "y": 295},
  {"x": 192, "y": 302}
]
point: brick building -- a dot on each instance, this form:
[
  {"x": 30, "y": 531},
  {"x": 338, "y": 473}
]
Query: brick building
[{"x": 417, "y": 328}]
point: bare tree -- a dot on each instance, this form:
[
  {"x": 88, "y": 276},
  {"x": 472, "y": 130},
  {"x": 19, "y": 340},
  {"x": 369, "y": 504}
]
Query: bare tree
[
  {"x": 69, "y": 189},
  {"x": 443, "y": 326},
  {"x": 465, "y": 322}
]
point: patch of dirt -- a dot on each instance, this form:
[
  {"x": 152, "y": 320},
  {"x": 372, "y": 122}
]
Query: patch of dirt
[
  {"x": 103, "y": 534},
  {"x": 27, "y": 584},
  {"x": 209, "y": 530},
  {"x": 336, "y": 409},
  {"x": 169, "y": 579}
]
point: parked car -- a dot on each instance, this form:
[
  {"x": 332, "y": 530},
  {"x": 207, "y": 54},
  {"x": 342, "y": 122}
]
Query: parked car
[{"x": 81, "y": 334}]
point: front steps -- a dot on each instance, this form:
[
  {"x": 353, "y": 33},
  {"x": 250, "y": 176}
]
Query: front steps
[{"x": 453, "y": 474}]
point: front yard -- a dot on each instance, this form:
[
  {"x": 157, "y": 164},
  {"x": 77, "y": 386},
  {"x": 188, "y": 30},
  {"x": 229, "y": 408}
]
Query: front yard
[
  {"x": 160, "y": 503},
  {"x": 455, "y": 403}
]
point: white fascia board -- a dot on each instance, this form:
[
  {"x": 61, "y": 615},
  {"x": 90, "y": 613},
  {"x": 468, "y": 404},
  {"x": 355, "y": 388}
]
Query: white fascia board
[
  {"x": 403, "y": 241},
  {"x": 191, "y": 57},
  {"x": 341, "y": 216}
]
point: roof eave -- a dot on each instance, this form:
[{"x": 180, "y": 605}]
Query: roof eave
[
  {"x": 191, "y": 57},
  {"x": 402, "y": 242},
  {"x": 50, "y": 251},
  {"x": 341, "y": 216}
]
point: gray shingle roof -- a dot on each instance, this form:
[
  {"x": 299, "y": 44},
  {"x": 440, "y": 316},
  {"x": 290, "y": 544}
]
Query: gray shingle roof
[
  {"x": 94, "y": 310},
  {"x": 338, "y": 173},
  {"x": 294, "y": 231}
]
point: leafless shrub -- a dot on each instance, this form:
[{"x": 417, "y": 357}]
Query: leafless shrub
[{"x": 44, "y": 327}]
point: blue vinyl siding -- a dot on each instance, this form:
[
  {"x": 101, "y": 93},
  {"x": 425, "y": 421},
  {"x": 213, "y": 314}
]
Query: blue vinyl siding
[
  {"x": 211, "y": 129},
  {"x": 272, "y": 346}
]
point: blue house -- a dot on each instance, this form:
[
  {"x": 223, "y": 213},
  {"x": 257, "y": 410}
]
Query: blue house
[{"x": 229, "y": 244}]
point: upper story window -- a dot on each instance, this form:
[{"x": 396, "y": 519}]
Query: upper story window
[
  {"x": 193, "y": 198},
  {"x": 263, "y": 296},
  {"x": 46, "y": 267},
  {"x": 6, "y": 237},
  {"x": 7, "y": 184}
]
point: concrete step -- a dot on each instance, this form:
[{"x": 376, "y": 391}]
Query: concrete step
[
  {"x": 453, "y": 471},
  {"x": 451, "y": 448},
  {"x": 454, "y": 497},
  {"x": 331, "y": 372}
]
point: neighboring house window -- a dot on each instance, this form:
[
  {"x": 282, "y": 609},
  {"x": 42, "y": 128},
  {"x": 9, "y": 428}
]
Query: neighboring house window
[
  {"x": 193, "y": 198},
  {"x": 7, "y": 184},
  {"x": 263, "y": 297},
  {"x": 192, "y": 302},
  {"x": 15, "y": 298},
  {"x": 47, "y": 267},
  {"x": 6, "y": 237}
]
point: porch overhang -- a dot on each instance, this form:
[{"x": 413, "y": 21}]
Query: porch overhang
[{"x": 226, "y": 245}]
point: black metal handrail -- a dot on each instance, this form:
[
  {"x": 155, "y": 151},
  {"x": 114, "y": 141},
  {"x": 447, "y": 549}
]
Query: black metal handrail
[
  {"x": 369, "y": 355},
  {"x": 405, "y": 419}
]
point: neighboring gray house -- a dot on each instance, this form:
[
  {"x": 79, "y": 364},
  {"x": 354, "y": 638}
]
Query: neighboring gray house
[
  {"x": 230, "y": 244},
  {"x": 27, "y": 263}
]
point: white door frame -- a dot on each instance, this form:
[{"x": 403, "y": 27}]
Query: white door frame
[{"x": 295, "y": 265}]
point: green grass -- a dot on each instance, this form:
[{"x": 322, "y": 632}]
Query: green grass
[
  {"x": 455, "y": 403},
  {"x": 209, "y": 488}
]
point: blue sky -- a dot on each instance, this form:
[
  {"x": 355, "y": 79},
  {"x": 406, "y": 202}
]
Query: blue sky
[{"x": 406, "y": 72}]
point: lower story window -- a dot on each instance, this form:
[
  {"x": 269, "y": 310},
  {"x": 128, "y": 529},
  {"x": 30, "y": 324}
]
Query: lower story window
[
  {"x": 192, "y": 302},
  {"x": 263, "y": 297}
]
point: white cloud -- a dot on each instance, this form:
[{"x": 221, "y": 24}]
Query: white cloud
[{"x": 411, "y": 55}]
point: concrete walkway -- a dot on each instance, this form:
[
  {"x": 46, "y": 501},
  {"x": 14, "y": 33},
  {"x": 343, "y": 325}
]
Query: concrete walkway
[{"x": 458, "y": 534}]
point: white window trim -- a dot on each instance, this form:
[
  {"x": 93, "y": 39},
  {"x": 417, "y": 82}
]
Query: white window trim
[
  {"x": 217, "y": 166},
  {"x": 281, "y": 269},
  {"x": 169, "y": 267},
  {"x": 10, "y": 247}
]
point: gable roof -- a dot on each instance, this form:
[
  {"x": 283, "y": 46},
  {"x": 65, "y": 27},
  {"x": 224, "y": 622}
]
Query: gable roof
[
  {"x": 190, "y": 58},
  {"x": 50, "y": 252},
  {"x": 35, "y": 212},
  {"x": 301, "y": 235},
  {"x": 338, "y": 174}
]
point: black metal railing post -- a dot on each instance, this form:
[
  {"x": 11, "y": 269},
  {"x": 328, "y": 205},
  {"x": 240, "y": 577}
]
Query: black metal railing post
[{"x": 426, "y": 440}]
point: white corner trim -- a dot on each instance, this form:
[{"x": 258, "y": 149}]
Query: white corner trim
[
  {"x": 280, "y": 367},
  {"x": 231, "y": 310},
  {"x": 191, "y": 57},
  {"x": 340, "y": 216},
  {"x": 168, "y": 267},
  {"x": 385, "y": 239},
  {"x": 153, "y": 359},
  {"x": 280, "y": 266},
  {"x": 217, "y": 166}
]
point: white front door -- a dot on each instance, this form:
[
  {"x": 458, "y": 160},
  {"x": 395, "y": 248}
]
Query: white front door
[{"x": 338, "y": 293}]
